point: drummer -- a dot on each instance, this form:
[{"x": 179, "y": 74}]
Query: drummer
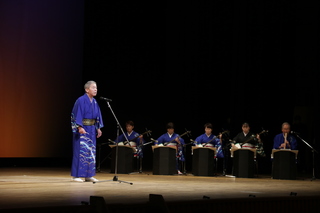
[
  {"x": 170, "y": 138},
  {"x": 207, "y": 139},
  {"x": 134, "y": 138},
  {"x": 245, "y": 138}
]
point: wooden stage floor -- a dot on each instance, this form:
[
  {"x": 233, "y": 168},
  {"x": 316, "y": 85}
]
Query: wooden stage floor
[{"x": 39, "y": 187}]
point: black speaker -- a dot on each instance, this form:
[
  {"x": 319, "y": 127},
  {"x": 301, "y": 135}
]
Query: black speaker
[
  {"x": 125, "y": 159},
  {"x": 156, "y": 204},
  {"x": 284, "y": 165},
  {"x": 243, "y": 163},
  {"x": 99, "y": 204},
  {"x": 203, "y": 162},
  {"x": 164, "y": 160}
]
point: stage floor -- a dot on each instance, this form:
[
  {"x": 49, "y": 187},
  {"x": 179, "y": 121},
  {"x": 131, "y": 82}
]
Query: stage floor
[{"x": 38, "y": 187}]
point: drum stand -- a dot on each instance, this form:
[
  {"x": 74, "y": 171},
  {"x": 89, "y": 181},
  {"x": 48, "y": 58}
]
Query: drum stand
[
  {"x": 185, "y": 159},
  {"x": 140, "y": 162},
  {"x": 115, "y": 177},
  {"x": 226, "y": 159}
]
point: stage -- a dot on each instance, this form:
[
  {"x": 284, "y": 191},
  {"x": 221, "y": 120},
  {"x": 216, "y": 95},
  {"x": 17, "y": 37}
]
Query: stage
[{"x": 29, "y": 187}]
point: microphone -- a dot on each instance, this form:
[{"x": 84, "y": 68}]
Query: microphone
[
  {"x": 293, "y": 132},
  {"x": 105, "y": 99}
]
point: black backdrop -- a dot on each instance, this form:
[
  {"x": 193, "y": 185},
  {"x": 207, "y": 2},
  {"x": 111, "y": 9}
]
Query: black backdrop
[{"x": 217, "y": 61}]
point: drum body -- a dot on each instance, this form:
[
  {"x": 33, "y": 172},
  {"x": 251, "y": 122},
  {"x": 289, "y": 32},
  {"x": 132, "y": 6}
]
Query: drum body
[
  {"x": 164, "y": 160},
  {"x": 243, "y": 163},
  {"x": 124, "y": 158},
  {"x": 284, "y": 165},
  {"x": 203, "y": 161}
]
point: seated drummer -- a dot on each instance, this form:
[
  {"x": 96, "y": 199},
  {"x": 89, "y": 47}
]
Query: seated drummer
[
  {"x": 245, "y": 139},
  {"x": 207, "y": 139},
  {"x": 135, "y": 139},
  {"x": 170, "y": 138}
]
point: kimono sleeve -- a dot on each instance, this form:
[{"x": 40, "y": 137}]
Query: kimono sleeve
[
  {"x": 99, "y": 121},
  {"x": 76, "y": 116}
]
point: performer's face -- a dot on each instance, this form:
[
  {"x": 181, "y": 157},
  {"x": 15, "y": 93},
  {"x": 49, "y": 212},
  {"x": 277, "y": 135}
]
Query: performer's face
[
  {"x": 170, "y": 131},
  {"x": 92, "y": 90},
  {"x": 245, "y": 128},
  {"x": 286, "y": 129},
  {"x": 129, "y": 128},
  {"x": 208, "y": 130}
]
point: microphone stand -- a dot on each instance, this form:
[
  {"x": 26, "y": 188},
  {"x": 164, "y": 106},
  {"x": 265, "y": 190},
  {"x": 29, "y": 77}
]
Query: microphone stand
[
  {"x": 185, "y": 159},
  {"x": 115, "y": 177},
  {"x": 313, "y": 150}
]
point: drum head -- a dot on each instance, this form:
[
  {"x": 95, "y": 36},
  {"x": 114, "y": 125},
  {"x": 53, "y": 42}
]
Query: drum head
[
  {"x": 133, "y": 144},
  {"x": 238, "y": 146}
]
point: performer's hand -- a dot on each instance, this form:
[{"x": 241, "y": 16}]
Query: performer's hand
[
  {"x": 177, "y": 139},
  {"x": 99, "y": 133},
  {"x": 287, "y": 143},
  {"x": 259, "y": 139},
  {"x": 283, "y": 145},
  {"x": 81, "y": 130}
]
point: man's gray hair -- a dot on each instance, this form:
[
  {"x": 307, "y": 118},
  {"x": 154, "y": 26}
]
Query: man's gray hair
[
  {"x": 285, "y": 123},
  {"x": 87, "y": 85}
]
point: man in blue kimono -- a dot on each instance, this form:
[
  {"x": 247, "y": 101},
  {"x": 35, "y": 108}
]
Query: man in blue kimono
[
  {"x": 285, "y": 140},
  {"x": 86, "y": 121}
]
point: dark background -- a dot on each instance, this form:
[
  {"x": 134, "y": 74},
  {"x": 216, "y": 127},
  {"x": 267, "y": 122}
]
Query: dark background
[
  {"x": 220, "y": 62},
  {"x": 224, "y": 62}
]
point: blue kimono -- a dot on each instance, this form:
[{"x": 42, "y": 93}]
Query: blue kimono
[
  {"x": 165, "y": 138},
  {"x": 279, "y": 139},
  {"x": 88, "y": 115},
  {"x": 204, "y": 139}
]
